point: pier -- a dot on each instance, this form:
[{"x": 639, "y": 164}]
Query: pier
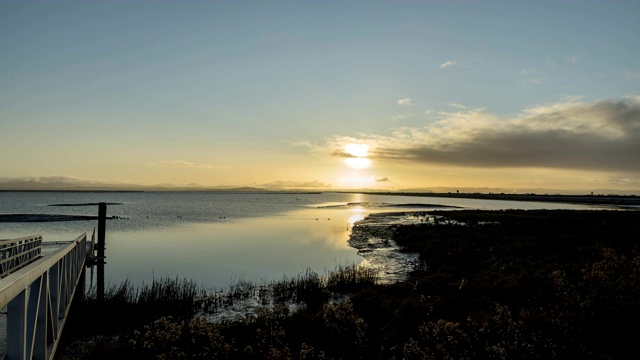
[{"x": 38, "y": 281}]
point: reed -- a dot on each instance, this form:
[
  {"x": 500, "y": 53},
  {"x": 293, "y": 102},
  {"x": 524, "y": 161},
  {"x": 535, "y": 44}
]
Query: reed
[
  {"x": 184, "y": 299},
  {"x": 308, "y": 288},
  {"x": 352, "y": 277}
]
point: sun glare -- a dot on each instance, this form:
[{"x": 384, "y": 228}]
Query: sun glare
[
  {"x": 357, "y": 150},
  {"x": 359, "y": 154},
  {"x": 357, "y": 216},
  {"x": 358, "y": 162},
  {"x": 357, "y": 182}
]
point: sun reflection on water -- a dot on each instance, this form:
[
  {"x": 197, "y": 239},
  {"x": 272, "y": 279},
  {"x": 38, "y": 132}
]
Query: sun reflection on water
[{"x": 356, "y": 216}]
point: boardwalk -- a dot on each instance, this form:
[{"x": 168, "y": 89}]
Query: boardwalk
[
  {"x": 47, "y": 249},
  {"x": 36, "y": 297}
]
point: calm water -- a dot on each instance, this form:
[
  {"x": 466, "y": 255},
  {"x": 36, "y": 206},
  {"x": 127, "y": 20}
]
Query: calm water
[{"x": 218, "y": 238}]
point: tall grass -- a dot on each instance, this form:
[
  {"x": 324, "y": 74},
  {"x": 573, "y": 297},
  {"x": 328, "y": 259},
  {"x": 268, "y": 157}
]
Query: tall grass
[
  {"x": 352, "y": 277},
  {"x": 126, "y": 306},
  {"x": 308, "y": 288}
]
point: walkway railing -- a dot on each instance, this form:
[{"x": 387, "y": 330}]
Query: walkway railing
[
  {"x": 18, "y": 253},
  {"x": 38, "y": 297}
]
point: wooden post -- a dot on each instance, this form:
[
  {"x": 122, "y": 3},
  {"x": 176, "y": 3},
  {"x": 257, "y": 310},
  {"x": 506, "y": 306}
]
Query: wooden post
[{"x": 102, "y": 220}]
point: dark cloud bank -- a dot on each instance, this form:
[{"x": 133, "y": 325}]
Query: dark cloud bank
[{"x": 599, "y": 136}]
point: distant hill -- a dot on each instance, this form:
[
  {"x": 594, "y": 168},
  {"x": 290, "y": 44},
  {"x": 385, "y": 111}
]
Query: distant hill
[
  {"x": 539, "y": 191},
  {"x": 65, "y": 183}
]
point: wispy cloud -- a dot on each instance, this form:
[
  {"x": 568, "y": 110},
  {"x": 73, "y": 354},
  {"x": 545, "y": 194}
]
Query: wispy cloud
[
  {"x": 457, "y": 105},
  {"x": 187, "y": 164},
  {"x": 403, "y": 116},
  {"x": 530, "y": 77},
  {"x": 624, "y": 181},
  {"x": 67, "y": 180},
  {"x": 447, "y": 64},
  {"x": 303, "y": 143},
  {"x": 76, "y": 183},
  {"x": 282, "y": 184},
  {"x": 60, "y": 183},
  {"x": 405, "y": 102},
  {"x": 384, "y": 179},
  {"x": 633, "y": 74},
  {"x": 571, "y": 134}
]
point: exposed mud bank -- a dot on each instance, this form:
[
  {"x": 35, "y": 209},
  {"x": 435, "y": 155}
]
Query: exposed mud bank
[{"x": 373, "y": 238}]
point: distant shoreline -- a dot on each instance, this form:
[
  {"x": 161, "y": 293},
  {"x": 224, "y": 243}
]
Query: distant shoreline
[
  {"x": 618, "y": 200},
  {"x": 77, "y": 191},
  {"x": 230, "y": 191}
]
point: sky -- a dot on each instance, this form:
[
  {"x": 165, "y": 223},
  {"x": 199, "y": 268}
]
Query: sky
[{"x": 384, "y": 95}]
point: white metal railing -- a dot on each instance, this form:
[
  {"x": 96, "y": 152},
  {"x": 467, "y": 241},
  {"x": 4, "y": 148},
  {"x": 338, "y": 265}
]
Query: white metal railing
[
  {"x": 18, "y": 253},
  {"x": 38, "y": 297}
]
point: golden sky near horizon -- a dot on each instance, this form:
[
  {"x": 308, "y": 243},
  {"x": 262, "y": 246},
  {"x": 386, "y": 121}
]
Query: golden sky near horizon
[{"x": 321, "y": 95}]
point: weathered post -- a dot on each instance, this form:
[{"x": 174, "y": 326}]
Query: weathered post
[{"x": 102, "y": 220}]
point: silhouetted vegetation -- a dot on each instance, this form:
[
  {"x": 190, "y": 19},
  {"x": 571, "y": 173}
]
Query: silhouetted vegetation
[{"x": 490, "y": 284}]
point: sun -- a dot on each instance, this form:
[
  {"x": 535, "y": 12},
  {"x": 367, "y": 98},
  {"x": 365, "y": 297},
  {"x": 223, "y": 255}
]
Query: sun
[
  {"x": 358, "y": 159},
  {"x": 357, "y": 150}
]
